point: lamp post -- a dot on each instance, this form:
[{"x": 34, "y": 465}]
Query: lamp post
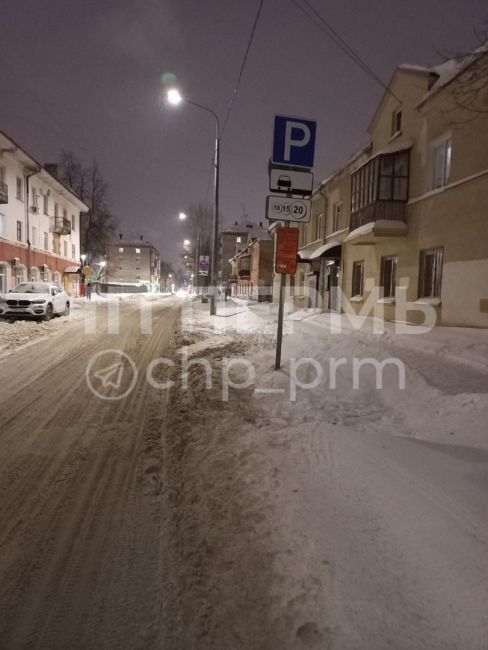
[
  {"x": 174, "y": 97},
  {"x": 82, "y": 277},
  {"x": 182, "y": 217}
]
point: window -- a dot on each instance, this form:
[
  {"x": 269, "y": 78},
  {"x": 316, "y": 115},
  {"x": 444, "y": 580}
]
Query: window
[
  {"x": 430, "y": 273},
  {"x": 238, "y": 240},
  {"x": 65, "y": 249},
  {"x": 56, "y": 244},
  {"x": 3, "y": 278},
  {"x": 388, "y": 276},
  {"x": 2, "y": 174},
  {"x": 336, "y": 216},
  {"x": 138, "y": 251},
  {"x": 73, "y": 251},
  {"x": 319, "y": 227},
  {"x": 357, "y": 279},
  {"x": 384, "y": 178},
  {"x": 3, "y": 225},
  {"x": 138, "y": 277},
  {"x": 394, "y": 177},
  {"x": 46, "y": 241},
  {"x": 19, "y": 231},
  {"x": 45, "y": 204},
  {"x": 442, "y": 164},
  {"x": 121, "y": 250},
  {"x": 34, "y": 242},
  {"x": 20, "y": 188},
  {"x": 73, "y": 223},
  {"x": 56, "y": 210},
  {"x": 65, "y": 213},
  {"x": 396, "y": 122}
]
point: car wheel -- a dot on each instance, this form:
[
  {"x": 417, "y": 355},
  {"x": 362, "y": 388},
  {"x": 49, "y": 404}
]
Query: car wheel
[
  {"x": 49, "y": 313},
  {"x": 66, "y": 310}
]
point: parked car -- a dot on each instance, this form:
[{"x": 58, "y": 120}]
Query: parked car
[{"x": 41, "y": 300}]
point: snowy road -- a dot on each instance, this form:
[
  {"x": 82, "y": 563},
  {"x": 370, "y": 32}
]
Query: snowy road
[
  {"x": 79, "y": 491},
  {"x": 349, "y": 519}
]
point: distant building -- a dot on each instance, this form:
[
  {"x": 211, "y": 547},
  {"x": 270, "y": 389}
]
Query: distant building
[
  {"x": 251, "y": 274},
  {"x": 39, "y": 222},
  {"x": 234, "y": 239},
  {"x": 134, "y": 263}
]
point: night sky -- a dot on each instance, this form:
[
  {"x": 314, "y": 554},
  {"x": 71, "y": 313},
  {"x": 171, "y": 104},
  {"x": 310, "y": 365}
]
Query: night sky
[{"x": 86, "y": 76}]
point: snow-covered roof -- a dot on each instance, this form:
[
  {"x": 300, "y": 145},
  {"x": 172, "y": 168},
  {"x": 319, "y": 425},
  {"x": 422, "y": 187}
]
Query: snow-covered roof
[
  {"x": 394, "y": 147},
  {"x": 448, "y": 70}
]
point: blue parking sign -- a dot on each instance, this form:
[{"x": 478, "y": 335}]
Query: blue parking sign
[{"x": 294, "y": 141}]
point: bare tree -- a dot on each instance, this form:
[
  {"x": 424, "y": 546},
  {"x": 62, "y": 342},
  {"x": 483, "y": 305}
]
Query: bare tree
[
  {"x": 467, "y": 85},
  {"x": 167, "y": 273},
  {"x": 198, "y": 229},
  {"x": 98, "y": 225}
]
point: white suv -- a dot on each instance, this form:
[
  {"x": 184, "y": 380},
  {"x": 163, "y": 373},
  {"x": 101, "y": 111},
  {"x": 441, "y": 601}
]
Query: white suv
[{"x": 40, "y": 300}]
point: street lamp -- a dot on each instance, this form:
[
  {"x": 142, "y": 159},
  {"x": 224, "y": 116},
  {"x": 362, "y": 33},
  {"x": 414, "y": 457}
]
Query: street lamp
[
  {"x": 182, "y": 216},
  {"x": 175, "y": 98}
]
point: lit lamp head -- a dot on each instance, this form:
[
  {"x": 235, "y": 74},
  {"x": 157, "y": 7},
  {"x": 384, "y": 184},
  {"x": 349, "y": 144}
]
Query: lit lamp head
[{"x": 174, "y": 97}]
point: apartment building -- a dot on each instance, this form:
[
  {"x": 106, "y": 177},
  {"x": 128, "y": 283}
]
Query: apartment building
[
  {"x": 133, "y": 264},
  {"x": 409, "y": 210},
  {"x": 39, "y": 222}
]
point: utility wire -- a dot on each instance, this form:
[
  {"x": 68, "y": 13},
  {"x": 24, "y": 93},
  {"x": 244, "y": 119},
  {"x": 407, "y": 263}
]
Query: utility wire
[
  {"x": 241, "y": 71},
  {"x": 319, "y": 21}
]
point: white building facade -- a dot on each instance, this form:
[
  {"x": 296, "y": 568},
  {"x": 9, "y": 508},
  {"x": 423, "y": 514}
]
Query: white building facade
[{"x": 39, "y": 222}]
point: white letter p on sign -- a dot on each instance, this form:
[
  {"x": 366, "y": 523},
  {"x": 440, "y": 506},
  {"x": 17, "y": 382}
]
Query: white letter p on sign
[{"x": 290, "y": 142}]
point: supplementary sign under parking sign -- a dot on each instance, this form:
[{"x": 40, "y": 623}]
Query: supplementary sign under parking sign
[
  {"x": 286, "y": 250},
  {"x": 294, "y": 141},
  {"x": 290, "y": 181},
  {"x": 282, "y": 208}
]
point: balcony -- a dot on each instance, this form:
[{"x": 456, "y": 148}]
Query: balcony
[
  {"x": 3, "y": 192},
  {"x": 378, "y": 219},
  {"x": 60, "y": 226}
]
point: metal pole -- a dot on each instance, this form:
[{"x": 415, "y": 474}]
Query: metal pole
[
  {"x": 215, "y": 237},
  {"x": 279, "y": 335}
]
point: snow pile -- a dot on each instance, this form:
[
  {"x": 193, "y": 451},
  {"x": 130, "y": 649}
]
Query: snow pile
[{"x": 287, "y": 525}]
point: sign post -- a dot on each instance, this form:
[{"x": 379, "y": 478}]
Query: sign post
[
  {"x": 290, "y": 177},
  {"x": 285, "y": 264}
]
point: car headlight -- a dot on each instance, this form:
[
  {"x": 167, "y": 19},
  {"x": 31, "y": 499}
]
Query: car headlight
[{"x": 41, "y": 301}]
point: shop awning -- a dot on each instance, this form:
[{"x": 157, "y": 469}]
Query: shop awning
[
  {"x": 71, "y": 269},
  {"x": 313, "y": 251},
  {"x": 327, "y": 248}
]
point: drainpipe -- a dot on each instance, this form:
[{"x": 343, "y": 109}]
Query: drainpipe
[
  {"x": 322, "y": 261},
  {"x": 27, "y": 213}
]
